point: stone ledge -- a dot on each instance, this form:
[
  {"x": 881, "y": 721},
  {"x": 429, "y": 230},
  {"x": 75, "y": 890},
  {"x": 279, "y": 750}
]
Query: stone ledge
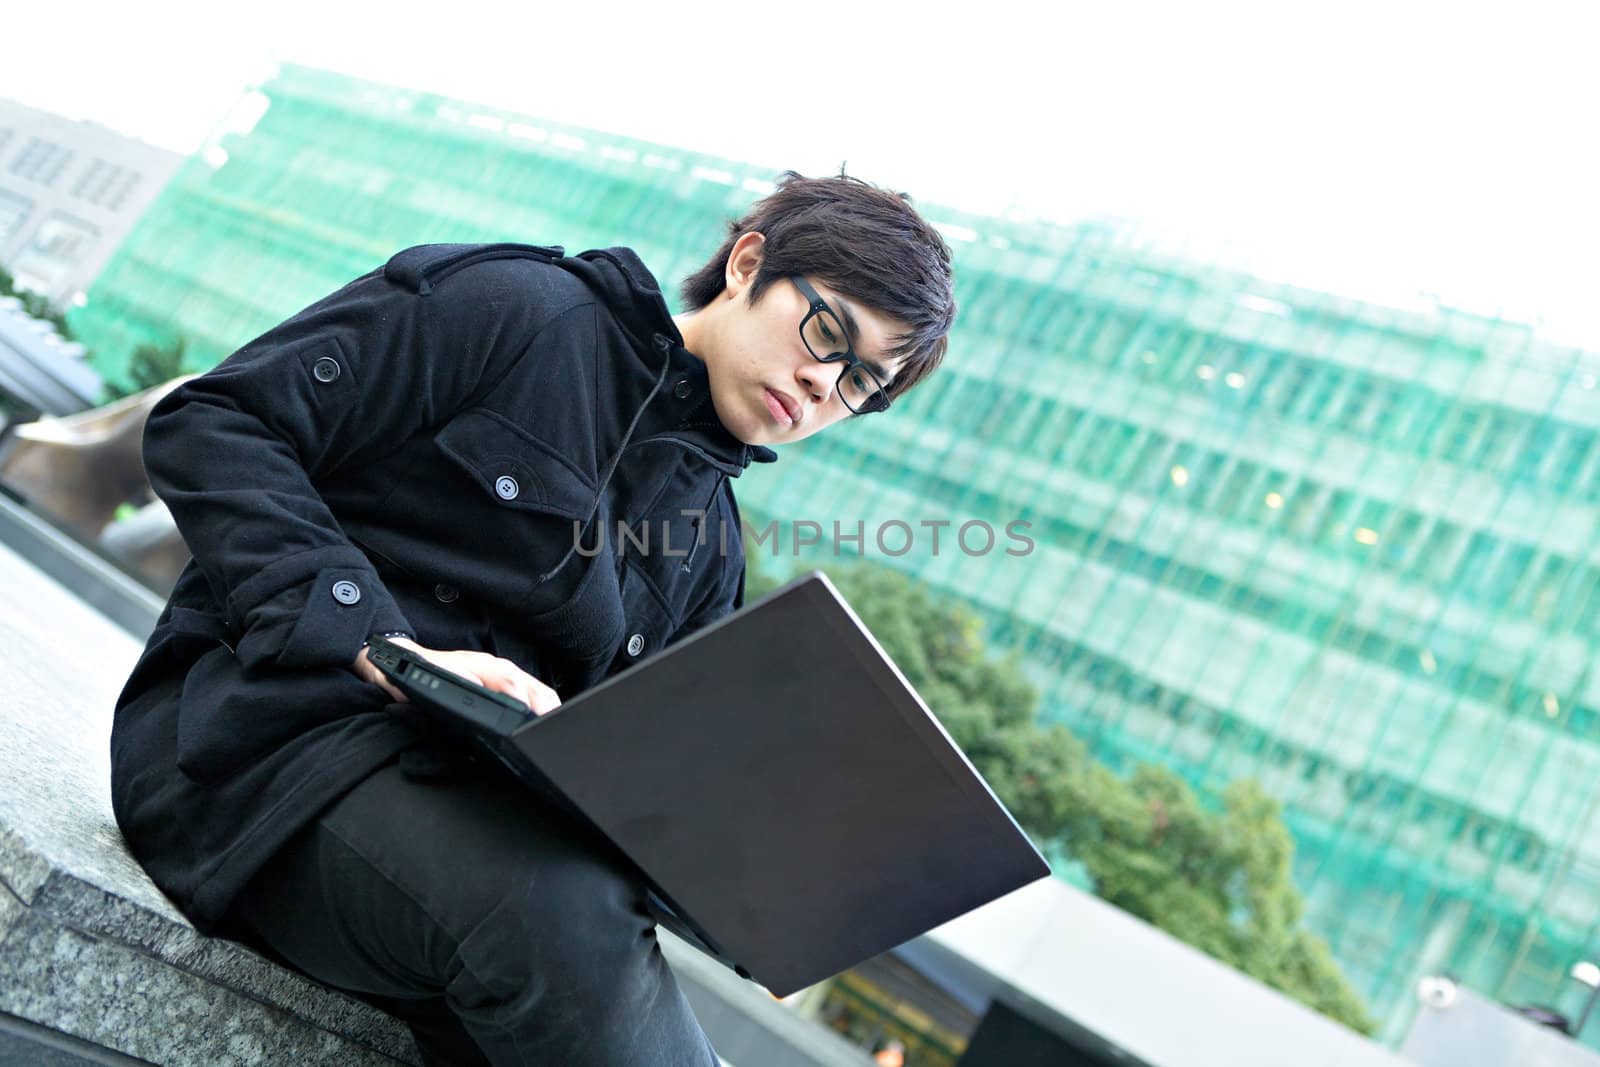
[
  {"x": 75, "y": 944},
  {"x": 88, "y": 946},
  {"x": 23, "y": 1042},
  {"x": 116, "y": 996}
]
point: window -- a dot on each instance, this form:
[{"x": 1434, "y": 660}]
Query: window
[
  {"x": 1024, "y": 431},
  {"x": 1461, "y": 434},
  {"x": 1437, "y": 563},
  {"x": 41, "y": 161},
  {"x": 59, "y": 244},
  {"x": 1527, "y": 852},
  {"x": 951, "y": 396},
  {"x": 1002, "y": 407},
  {"x": 1111, "y": 338},
  {"x": 1320, "y": 393},
  {"x": 1335, "y": 526},
  {"x": 1124, "y": 461},
  {"x": 1305, "y": 503},
  {"x": 95, "y": 180},
  {"x": 1153, "y": 465},
  {"x": 1351, "y": 404},
  {"x": 1585, "y": 463},
  {"x": 1236, "y": 497},
  {"x": 1565, "y": 457},
  {"x": 1403, "y": 540},
  {"x": 1100, "y": 450},
  {"x": 1285, "y": 387},
  {"x": 1368, "y": 519},
  {"x": 1378, "y": 416},
  {"x": 14, "y": 211},
  {"x": 1408, "y": 414},
  {"x": 1205, "y": 472},
  {"x": 1472, "y": 577},
  {"x": 1055, "y": 424},
  {"x": 1048, "y": 319},
  {"x": 1085, "y": 428},
  {"x": 1515, "y": 575},
  {"x": 1542, "y": 595},
  {"x": 1588, "y": 607},
  {"x": 1496, "y": 445},
  {"x": 976, "y": 400},
  {"x": 1530, "y": 463}
]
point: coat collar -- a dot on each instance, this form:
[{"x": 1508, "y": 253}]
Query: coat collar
[
  {"x": 682, "y": 411},
  {"x": 681, "y": 406}
]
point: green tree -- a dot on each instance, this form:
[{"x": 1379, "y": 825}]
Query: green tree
[
  {"x": 153, "y": 364},
  {"x": 150, "y": 364},
  {"x": 1217, "y": 877},
  {"x": 36, "y": 305}
]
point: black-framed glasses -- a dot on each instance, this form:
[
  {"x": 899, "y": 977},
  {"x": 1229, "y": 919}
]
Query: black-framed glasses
[{"x": 859, "y": 387}]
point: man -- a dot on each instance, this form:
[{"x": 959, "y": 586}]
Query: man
[
  {"x": 422, "y": 455},
  {"x": 890, "y": 1052}
]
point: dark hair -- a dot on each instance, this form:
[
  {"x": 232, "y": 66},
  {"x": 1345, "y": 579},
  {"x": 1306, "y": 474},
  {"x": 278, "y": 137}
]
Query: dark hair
[{"x": 868, "y": 243}]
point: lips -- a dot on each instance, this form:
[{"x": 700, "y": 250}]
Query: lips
[{"x": 780, "y": 404}]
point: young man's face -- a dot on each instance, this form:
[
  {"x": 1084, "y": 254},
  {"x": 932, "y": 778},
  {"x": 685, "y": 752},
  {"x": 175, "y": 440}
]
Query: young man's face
[{"x": 767, "y": 386}]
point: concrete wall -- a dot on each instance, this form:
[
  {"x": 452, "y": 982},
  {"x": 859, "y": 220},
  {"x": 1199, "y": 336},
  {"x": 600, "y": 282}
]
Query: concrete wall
[{"x": 1458, "y": 1028}]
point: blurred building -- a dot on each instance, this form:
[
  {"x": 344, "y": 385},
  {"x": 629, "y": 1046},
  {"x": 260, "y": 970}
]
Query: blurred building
[
  {"x": 69, "y": 192},
  {"x": 40, "y": 373},
  {"x": 1345, "y": 548}
]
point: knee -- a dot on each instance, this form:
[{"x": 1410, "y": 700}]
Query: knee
[
  {"x": 589, "y": 908},
  {"x": 578, "y": 928}
]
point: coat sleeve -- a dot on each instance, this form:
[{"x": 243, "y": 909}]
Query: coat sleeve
[{"x": 237, "y": 453}]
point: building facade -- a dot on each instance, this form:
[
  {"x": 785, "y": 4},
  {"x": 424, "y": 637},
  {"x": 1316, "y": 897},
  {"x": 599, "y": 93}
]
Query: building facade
[
  {"x": 1346, "y": 549},
  {"x": 69, "y": 193}
]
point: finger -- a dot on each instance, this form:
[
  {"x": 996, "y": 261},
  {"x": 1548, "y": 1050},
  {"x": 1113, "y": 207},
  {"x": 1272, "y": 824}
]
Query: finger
[
  {"x": 518, "y": 682},
  {"x": 545, "y": 700},
  {"x": 539, "y": 697},
  {"x": 503, "y": 676},
  {"x": 368, "y": 672},
  {"x": 388, "y": 687}
]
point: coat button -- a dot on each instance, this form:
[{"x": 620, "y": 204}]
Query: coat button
[
  {"x": 635, "y": 644},
  {"x": 346, "y": 593},
  {"x": 446, "y": 594},
  {"x": 507, "y": 487},
  {"x": 682, "y": 389},
  {"x": 325, "y": 370}
]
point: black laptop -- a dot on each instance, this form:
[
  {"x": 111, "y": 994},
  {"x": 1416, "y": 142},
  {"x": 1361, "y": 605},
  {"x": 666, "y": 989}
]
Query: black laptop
[{"x": 790, "y": 799}]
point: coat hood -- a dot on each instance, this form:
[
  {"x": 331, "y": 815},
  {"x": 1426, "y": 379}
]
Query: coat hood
[{"x": 623, "y": 284}]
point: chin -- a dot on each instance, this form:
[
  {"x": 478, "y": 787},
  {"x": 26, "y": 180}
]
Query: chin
[
  {"x": 762, "y": 435},
  {"x": 747, "y": 426}
]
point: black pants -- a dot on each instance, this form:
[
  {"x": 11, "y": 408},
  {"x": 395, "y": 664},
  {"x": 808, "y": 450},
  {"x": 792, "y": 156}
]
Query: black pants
[{"x": 497, "y": 928}]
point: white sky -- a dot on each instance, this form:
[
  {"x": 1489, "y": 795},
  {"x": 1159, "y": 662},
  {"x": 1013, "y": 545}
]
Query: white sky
[{"x": 1381, "y": 149}]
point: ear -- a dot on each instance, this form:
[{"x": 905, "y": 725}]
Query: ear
[{"x": 744, "y": 261}]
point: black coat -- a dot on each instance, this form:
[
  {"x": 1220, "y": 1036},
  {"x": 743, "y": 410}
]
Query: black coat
[{"x": 414, "y": 453}]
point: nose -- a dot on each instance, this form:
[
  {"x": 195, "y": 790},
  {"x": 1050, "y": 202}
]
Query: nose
[{"x": 818, "y": 379}]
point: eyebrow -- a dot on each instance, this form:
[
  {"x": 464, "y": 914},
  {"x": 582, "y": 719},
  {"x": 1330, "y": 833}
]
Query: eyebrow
[{"x": 853, "y": 333}]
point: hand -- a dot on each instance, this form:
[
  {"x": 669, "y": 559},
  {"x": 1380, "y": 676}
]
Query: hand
[{"x": 491, "y": 672}]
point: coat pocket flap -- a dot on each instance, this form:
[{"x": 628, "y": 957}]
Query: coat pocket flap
[{"x": 514, "y": 468}]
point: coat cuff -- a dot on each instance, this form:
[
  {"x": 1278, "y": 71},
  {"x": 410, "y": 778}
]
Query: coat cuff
[{"x": 322, "y": 619}]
